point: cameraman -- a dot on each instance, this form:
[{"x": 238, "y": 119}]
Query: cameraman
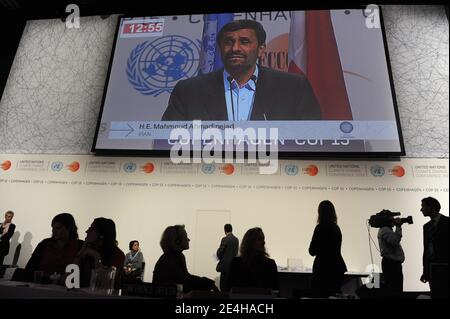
[{"x": 392, "y": 252}]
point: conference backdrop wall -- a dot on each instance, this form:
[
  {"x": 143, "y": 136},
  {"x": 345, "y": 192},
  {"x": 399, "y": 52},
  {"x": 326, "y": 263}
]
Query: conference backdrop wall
[
  {"x": 50, "y": 106},
  {"x": 145, "y": 195}
]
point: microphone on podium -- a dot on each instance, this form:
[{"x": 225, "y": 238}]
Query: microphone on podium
[{"x": 230, "y": 80}]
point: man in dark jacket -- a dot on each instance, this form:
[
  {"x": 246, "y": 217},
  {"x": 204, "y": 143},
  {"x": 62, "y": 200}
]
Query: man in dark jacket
[
  {"x": 435, "y": 247},
  {"x": 228, "y": 249},
  {"x": 243, "y": 90}
]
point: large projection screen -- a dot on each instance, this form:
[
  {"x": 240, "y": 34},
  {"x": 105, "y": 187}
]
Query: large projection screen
[{"x": 341, "y": 53}]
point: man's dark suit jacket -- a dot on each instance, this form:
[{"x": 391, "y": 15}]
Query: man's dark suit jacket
[
  {"x": 440, "y": 244},
  {"x": 279, "y": 96},
  {"x": 228, "y": 249}
]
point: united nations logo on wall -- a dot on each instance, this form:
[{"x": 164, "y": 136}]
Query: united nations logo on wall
[
  {"x": 129, "y": 167},
  {"x": 377, "y": 170},
  {"x": 208, "y": 168},
  {"x": 57, "y": 166},
  {"x": 156, "y": 66},
  {"x": 291, "y": 170}
]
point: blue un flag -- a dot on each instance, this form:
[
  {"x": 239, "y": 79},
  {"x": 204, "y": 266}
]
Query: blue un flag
[{"x": 210, "y": 54}]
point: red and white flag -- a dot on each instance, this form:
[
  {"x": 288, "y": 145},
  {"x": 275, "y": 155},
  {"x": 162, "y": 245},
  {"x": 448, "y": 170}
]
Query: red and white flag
[{"x": 313, "y": 52}]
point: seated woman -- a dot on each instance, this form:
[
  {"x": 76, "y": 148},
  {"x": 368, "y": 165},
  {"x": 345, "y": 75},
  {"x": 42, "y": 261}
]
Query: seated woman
[
  {"x": 170, "y": 269},
  {"x": 100, "y": 250},
  {"x": 253, "y": 268},
  {"x": 53, "y": 254},
  {"x": 133, "y": 262}
]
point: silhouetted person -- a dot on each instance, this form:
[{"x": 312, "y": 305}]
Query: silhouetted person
[
  {"x": 329, "y": 266},
  {"x": 393, "y": 256},
  {"x": 53, "y": 254},
  {"x": 100, "y": 251},
  {"x": 253, "y": 268},
  {"x": 435, "y": 246},
  {"x": 6, "y": 231},
  {"x": 228, "y": 249},
  {"x": 133, "y": 262},
  {"x": 171, "y": 269}
]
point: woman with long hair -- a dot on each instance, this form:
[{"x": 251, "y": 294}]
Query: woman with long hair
[
  {"x": 100, "y": 250},
  {"x": 329, "y": 266},
  {"x": 134, "y": 261},
  {"x": 253, "y": 268}
]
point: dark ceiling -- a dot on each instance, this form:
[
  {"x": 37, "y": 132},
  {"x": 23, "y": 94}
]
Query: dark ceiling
[{"x": 46, "y": 9}]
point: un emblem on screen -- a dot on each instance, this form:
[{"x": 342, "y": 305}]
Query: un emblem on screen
[{"x": 154, "y": 67}]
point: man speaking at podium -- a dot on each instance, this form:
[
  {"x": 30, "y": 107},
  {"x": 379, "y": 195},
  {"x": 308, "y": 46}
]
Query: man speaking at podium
[{"x": 242, "y": 90}]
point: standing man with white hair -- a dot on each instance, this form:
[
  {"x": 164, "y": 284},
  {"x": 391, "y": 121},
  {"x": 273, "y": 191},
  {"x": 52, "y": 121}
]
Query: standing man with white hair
[{"x": 6, "y": 231}]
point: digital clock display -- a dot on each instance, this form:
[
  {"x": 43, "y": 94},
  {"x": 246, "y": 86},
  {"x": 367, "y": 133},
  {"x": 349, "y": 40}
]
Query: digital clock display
[{"x": 144, "y": 27}]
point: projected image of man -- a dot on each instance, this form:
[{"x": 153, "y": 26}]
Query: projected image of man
[{"x": 243, "y": 90}]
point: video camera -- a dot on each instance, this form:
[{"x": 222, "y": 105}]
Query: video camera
[{"x": 387, "y": 218}]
